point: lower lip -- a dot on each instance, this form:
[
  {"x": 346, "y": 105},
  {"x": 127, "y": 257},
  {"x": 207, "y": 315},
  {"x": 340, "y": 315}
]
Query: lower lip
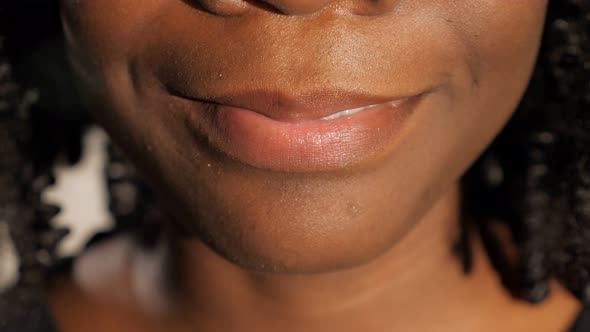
[{"x": 307, "y": 146}]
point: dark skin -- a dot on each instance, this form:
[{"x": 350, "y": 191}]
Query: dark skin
[{"x": 365, "y": 246}]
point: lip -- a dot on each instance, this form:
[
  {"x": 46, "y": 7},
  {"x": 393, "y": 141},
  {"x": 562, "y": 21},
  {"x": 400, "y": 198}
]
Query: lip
[
  {"x": 304, "y": 107},
  {"x": 272, "y": 132}
]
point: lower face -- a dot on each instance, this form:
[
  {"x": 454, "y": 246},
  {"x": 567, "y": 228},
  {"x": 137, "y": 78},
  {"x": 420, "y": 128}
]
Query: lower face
[{"x": 221, "y": 106}]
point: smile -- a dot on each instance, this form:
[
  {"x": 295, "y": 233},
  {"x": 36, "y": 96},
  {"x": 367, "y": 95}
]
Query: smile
[{"x": 316, "y": 133}]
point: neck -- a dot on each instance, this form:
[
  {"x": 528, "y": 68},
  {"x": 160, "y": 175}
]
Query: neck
[
  {"x": 409, "y": 282},
  {"x": 418, "y": 285}
]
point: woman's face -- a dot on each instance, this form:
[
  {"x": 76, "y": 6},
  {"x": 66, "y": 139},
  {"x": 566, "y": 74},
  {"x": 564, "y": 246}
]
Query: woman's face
[{"x": 228, "y": 109}]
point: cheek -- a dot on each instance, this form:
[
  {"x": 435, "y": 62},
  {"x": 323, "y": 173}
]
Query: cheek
[
  {"x": 500, "y": 33},
  {"x": 100, "y": 33},
  {"x": 501, "y": 40}
]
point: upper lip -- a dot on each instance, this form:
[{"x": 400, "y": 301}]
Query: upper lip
[{"x": 283, "y": 107}]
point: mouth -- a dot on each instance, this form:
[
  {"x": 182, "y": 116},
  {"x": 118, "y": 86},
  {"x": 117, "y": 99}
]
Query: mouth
[
  {"x": 322, "y": 131},
  {"x": 350, "y": 112}
]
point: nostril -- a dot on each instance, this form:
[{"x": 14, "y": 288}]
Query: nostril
[
  {"x": 306, "y": 7},
  {"x": 291, "y": 7},
  {"x": 264, "y": 5},
  {"x": 222, "y": 7}
]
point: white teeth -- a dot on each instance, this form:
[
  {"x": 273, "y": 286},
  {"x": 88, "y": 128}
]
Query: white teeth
[{"x": 346, "y": 112}]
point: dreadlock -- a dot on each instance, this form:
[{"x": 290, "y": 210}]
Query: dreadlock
[{"x": 534, "y": 177}]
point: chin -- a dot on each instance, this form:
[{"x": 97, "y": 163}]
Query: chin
[
  {"x": 262, "y": 254},
  {"x": 295, "y": 242}
]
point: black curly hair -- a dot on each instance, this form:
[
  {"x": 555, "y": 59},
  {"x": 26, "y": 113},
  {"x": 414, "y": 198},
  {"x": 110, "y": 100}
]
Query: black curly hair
[{"x": 534, "y": 177}]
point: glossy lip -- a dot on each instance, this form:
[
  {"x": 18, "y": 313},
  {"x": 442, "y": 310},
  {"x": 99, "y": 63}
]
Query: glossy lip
[{"x": 269, "y": 131}]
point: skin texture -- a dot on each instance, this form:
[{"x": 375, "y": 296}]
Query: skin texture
[
  {"x": 473, "y": 57},
  {"x": 478, "y": 54}
]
